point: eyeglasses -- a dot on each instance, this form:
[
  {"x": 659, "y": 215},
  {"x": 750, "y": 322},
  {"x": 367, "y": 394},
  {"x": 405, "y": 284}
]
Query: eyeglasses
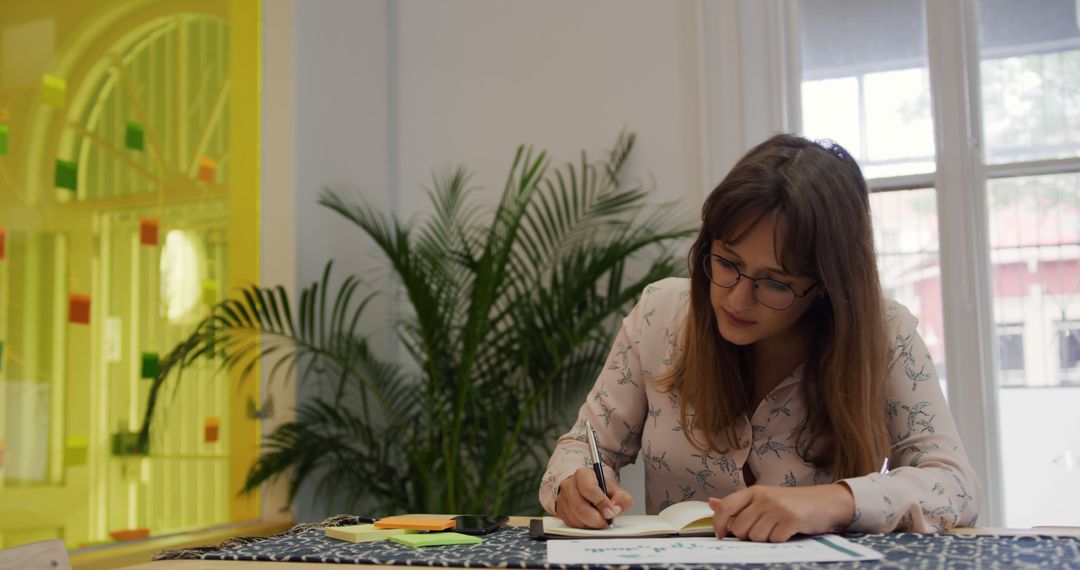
[{"x": 769, "y": 292}]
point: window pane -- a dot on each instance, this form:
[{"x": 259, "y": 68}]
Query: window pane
[
  {"x": 1035, "y": 252},
  {"x": 866, "y": 82},
  {"x": 1030, "y": 79},
  {"x": 906, "y": 236}
]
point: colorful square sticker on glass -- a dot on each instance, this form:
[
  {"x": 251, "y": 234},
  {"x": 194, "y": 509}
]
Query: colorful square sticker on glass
[
  {"x": 3, "y": 139},
  {"x": 151, "y": 364},
  {"x": 79, "y": 309},
  {"x": 75, "y": 450},
  {"x": 211, "y": 430},
  {"x": 207, "y": 170},
  {"x": 210, "y": 289},
  {"x": 53, "y": 91},
  {"x": 134, "y": 136},
  {"x": 3, "y": 243},
  {"x": 67, "y": 174},
  {"x": 148, "y": 231}
]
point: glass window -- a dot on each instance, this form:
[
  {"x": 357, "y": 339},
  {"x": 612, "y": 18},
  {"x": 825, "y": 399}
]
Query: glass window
[
  {"x": 128, "y": 174},
  {"x": 1030, "y": 84},
  {"x": 1069, "y": 351},
  {"x": 1030, "y": 80},
  {"x": 866, "y": 82},
  {"x": 1010, "y": 353},
  {"x": 905, "y": 233}
]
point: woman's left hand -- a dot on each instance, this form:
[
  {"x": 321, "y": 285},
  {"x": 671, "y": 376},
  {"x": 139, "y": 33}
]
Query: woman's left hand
[{"x": 775, "y": 514}]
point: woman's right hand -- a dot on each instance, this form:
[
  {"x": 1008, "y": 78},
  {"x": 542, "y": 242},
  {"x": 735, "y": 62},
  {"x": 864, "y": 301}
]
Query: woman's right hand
[{"x": 582, "y": 504}]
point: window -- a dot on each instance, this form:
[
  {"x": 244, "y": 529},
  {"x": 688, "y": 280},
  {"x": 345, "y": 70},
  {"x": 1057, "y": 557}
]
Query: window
[
  {"x": 128, "y": 179},
  {"x": 1010, "y": 354},
  {"x": 867, "y": 82},
  {"x": 1069, "y": 353}
]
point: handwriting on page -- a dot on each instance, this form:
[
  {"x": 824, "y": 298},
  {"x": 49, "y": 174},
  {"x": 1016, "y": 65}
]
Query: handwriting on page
[{"x": 683, "y": 550}]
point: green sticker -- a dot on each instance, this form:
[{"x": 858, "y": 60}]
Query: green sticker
[
  {"x": 150, "y": 365},
  {"x": 67, "y": 174},
  {"x": 134, "y": 136}
]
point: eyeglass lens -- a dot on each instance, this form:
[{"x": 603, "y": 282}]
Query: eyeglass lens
[{"x": 768, "y": 292}]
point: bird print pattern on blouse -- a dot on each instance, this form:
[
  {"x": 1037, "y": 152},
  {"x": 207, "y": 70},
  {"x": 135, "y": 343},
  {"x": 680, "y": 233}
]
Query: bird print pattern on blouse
[{"x": 930, "y": 488}]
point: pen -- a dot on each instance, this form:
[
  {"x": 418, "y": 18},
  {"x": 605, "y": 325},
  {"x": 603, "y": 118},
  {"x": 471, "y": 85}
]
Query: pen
[{"x": 598, "y": 469}]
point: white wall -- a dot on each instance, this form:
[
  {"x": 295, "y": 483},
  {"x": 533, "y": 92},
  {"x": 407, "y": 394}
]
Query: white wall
[{"x": 389, "y": 91}]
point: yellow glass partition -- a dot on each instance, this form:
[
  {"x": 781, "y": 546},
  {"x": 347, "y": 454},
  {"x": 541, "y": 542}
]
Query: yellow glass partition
[{"x": 128, "y": 205}]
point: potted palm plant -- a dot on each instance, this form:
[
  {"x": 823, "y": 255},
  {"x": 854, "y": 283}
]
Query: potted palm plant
[{"x": 509, "y": 322}]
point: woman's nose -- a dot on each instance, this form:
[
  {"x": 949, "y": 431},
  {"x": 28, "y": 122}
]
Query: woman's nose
[{"x": 742, "y": 294}]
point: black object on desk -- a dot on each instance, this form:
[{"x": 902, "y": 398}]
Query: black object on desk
[{"x": 479, "y": 524}]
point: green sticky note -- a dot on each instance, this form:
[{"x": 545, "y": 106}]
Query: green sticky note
[
  {"x": 150, "y": 365},
  {"x": 133, "y": 136},
  {"x": 75, "y": 450},
  {"x": 3, "y": 139},
  {"x": 67, "y": 174},
  {"x": 1, "y": 356},
  {"x": 435, "y": 539}
]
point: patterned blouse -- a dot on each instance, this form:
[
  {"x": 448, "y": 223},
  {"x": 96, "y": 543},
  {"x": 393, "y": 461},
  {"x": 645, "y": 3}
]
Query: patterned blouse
[{"x": 930, "y": 486}]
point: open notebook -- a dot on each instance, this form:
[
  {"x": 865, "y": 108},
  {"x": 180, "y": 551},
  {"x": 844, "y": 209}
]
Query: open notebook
[{"x": 691, "y": 518}]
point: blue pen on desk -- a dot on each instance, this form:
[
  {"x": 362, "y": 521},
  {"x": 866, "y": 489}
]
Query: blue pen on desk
[{"x": 597, "y": 465}]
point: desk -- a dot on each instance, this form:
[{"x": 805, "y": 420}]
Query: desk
[{"x": 986, "y": 548}]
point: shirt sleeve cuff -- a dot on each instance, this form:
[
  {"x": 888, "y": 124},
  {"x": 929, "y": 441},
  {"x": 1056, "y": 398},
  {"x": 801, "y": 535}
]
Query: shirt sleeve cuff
[{"x": 873, "y": 509}]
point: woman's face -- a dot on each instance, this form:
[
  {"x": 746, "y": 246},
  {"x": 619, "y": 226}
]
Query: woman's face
[{"x": 741, "y": 318}]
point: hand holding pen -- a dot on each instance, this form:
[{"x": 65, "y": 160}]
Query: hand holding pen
[
  {"x": 598, "y": 466},
  {"x": 582, "y": 503}
]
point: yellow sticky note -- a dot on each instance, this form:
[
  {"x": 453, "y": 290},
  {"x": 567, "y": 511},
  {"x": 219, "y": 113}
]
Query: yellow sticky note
[
  {"x": 363, "y": 532},
  {"x": 54, "y": 91}
]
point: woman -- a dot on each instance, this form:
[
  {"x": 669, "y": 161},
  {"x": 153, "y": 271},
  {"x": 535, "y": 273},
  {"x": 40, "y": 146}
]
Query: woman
[{"x": 776, "y": 380}]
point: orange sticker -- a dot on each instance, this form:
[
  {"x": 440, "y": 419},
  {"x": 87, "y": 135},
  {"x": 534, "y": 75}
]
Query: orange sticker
[
  {"x": 3, "y": 243},
  {"x": 211, "y": 429},
  {"x": 79, "y": 309},
  {"x": 207, "y": 170},
  {"x": 148, "y": 231}
]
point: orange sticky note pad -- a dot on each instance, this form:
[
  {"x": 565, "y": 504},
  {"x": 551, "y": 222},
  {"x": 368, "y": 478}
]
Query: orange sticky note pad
[
  {"x": 130, "y": 534},
  {"x": 148, "y": 231},
  {"x": 79, "y": 309},
  {"x": 211, "y": 430},
  {"x": 415, "y": 522},
  {"x": 207, "y": 170}
]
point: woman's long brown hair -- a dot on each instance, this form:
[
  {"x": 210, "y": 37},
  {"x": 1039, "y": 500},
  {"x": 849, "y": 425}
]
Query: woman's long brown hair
[{"x": 820, "y": 200}]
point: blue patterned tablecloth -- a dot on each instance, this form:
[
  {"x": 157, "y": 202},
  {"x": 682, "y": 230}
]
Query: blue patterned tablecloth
[{"x": 511, "y": 547}]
